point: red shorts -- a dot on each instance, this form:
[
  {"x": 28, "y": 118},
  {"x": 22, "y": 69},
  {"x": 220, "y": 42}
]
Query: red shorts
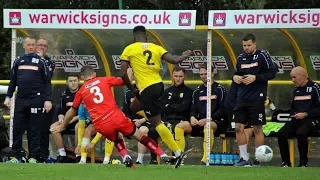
[{"x": 114, "y": 124}]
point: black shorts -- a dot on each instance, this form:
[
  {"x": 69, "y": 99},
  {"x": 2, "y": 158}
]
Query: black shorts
[
  {"x": 150, "y": 99},
  {"x": 146, "y": 124},
  {"x": 70, "y": 128},
  {"x": 88, "y": 122},
  {"x": 250, "y": 113}
]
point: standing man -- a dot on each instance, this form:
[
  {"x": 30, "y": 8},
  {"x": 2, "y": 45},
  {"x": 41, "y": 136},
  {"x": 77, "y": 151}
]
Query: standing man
[
  {"x": 253, "y": 71},
  {"x": 42, "y": 48},
  {"x": 305, "y": 113},
  {"x": 30, "y": 74},
  {"x": 145, "y": 59}
]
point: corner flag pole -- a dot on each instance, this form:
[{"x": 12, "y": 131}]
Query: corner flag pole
[
  {"x": 13, "y": 57},
  {"x": 209, "y": 70}
]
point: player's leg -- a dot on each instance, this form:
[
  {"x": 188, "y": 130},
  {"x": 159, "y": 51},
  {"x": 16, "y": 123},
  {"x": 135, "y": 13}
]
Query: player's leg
[
  {"x": 128, "y": 129},
  {"x": 302, "y": 133},
  {"x": 257, "y": 118},
  {"x": 150, "y": 98},
  {"x": 283, "y": 134},
  {"x": 108, "y": 149},
  {"x": 241, "y": 116},
  {"x": 88, "y": 132},
  {"x": 213, "y": 127},
  {"x": 58, "y": 140},
  {"x": 36, "y": 115},
  {"x": 153, "y": 134},
  {"x": 77, "y": 142},
  {"x": 179, "y": 131},
  {"x": 248, "y": 130},
  {"x": 19, "y": 121},
  {"x": 136, "y": 106},
  {"x": 141, "y": 148}
]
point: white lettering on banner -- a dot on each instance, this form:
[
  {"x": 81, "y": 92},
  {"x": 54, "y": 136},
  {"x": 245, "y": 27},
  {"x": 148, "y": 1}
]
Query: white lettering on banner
[
  {"x": 117, "y": 63},
  {"x": 284, "y": 63},
  {"x": 194, "y": 62},
  {"x": 72, "y": 62},
  {"x": 315, "y": 60},
  {"x": 257, "y": 19},
  {"x": 98, "y": 19}
]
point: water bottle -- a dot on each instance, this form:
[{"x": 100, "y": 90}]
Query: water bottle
[
  {"x": 218, "y": 159},
  {"x": 230, "y": 158},
  {"x": 235, "y": 158},
  {"x": 223, "y": 158},
  {"x": 212, "y": 158}
]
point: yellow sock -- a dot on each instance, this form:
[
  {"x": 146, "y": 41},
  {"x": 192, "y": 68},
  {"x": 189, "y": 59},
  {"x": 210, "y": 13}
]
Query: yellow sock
[
  {"x": 142, "y": 113},
  {"x": 179, "y": 136},
  {"x": 108, "y": 146},
  {"x": 83, "y": 152},
  {"x": 205, "y": 146},
  {"x": 167, "y": 138}
]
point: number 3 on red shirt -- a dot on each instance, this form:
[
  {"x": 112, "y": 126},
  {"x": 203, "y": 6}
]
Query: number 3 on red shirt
[{"x": 97, "y": 93}]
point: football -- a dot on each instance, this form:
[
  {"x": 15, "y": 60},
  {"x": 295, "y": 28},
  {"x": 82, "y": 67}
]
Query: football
[{"x": 264, "y": 153}]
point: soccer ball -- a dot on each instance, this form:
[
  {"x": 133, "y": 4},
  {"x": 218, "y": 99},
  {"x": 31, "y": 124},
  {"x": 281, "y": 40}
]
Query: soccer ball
[
  {"x": 115, "y": 161},
  {"x": 264, "y": 153}
]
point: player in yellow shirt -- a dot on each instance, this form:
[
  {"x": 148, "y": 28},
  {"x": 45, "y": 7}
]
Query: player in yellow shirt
[{"x": 145, "y": 60}]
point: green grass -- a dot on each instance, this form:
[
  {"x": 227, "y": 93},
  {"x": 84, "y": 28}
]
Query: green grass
[{"x": 163, "y": 172}]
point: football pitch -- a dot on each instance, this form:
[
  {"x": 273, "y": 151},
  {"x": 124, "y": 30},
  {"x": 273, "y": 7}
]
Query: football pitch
[{"x": 151, "y": 172}]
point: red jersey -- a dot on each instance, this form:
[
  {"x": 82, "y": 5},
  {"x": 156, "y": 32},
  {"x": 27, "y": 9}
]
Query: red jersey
[{"x": 97, "y": 96}]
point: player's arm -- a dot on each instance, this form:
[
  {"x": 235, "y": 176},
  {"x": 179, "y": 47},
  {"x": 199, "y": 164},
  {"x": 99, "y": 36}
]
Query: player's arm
[
  {"x": 173, "y": 59},
  {"x": 269, "y": 69},
  {"x": 115, "y": 81},
  {"x": 315, "y": 111},
  {"x": 73, "y": 110},
  {"x": 125, "y": 61},
  {"x": 46, "y": 77},
  {"x": 194, "y": 104},
  {"x": 221, "y": 95},
  {"x": 125, "y": 77}
]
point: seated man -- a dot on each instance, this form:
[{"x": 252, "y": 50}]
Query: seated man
[
  {"x": 84, "y": 131},
  {"x": 139, "y": 119},
  {"x": 305, "y": 114},
  {"x": 66, "y": 100},
  {"x": 177, "y": 102},
  {"x": 198, "y": 112}
]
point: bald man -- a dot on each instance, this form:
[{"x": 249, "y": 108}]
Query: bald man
[{"x": 305, "y": 114}]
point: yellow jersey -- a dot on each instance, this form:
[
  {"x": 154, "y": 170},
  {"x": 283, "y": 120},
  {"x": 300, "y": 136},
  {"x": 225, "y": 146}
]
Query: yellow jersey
[{"x": 145, "y": 60}]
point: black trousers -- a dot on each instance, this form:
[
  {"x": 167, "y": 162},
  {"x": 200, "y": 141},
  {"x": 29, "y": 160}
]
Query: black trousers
[
  {"x": 28, "y": 115},
  {"x": 300, "y": 129},
  {"x": 45, "y": 133}
]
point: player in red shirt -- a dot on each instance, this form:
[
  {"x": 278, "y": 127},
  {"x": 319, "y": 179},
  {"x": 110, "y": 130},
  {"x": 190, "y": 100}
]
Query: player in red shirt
[{"x": 106, "y": 116}]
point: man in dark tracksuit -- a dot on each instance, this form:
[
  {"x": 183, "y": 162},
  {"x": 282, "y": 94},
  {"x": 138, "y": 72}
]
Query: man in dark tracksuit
[
  {"x": 66, "y": 102},
  {"x": 199, "y": 111},
  {"x": 30, "y": 74},
  {"x": 42, "y": 47},
  {"x": 253, "y": 71},
  {"x": 305, "y": 113}
]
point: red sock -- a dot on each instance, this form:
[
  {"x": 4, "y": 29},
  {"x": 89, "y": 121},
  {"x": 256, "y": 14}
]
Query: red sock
[
  {"x": 121, "y": 147},
  {"x": 151, "y": 145}
]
